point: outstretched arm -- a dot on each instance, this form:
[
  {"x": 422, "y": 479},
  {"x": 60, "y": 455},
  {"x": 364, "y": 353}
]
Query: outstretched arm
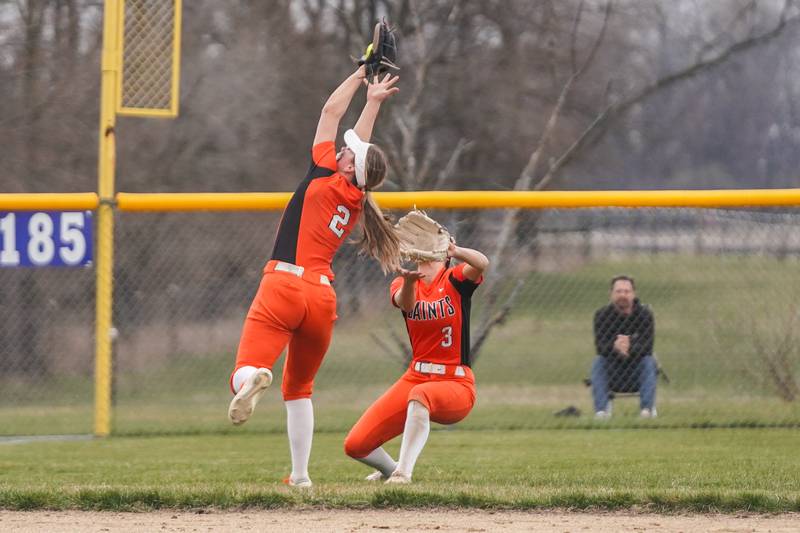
[
  {"x": 406, "y": 297},
  {"x": 377, "y": 92},
  {"x": 336, "y": 106}
]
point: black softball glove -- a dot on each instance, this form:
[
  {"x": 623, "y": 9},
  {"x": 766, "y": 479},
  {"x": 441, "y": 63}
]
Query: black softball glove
[{"x": 381, "y": 53}]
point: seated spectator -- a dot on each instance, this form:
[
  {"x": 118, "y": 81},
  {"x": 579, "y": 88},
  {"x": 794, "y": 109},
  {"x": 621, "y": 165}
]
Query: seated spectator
[{"x": 624, "y": 332}]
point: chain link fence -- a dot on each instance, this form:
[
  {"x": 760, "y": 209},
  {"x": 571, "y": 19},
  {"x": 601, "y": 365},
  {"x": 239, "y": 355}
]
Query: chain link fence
[
  {"x": 722, "y": 285},
  {"x": 150, "y": 56}
]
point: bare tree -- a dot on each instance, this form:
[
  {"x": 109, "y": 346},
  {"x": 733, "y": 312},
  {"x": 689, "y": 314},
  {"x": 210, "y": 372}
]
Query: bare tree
[{"x": 496, "y": 309}]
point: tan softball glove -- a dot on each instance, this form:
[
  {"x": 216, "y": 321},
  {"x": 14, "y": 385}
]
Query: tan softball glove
[{"x": 422, "y": 239}]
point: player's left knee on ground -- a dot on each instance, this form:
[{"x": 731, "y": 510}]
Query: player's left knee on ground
[{"x": 356, "y": 447}]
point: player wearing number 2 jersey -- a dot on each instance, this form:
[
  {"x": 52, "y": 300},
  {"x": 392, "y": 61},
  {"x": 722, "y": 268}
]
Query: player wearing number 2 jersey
[
  {"x": 439, "y": 384},
  {"x": 295, "y": 304}
]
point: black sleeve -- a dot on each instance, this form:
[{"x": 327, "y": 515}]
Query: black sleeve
[
  {"x": 603, "y": 333},
  {"x": 464, "y": 287},
  {"x": 645, "y": 335},
  {"x": 315, "y": 171}
]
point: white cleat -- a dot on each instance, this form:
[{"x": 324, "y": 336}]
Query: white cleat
[
  {"x": 376, "y": 476},
  {"x": 304, "y": 483},
  {"x": 398, "y": 478},
  {"x": 245, "y": 401}
]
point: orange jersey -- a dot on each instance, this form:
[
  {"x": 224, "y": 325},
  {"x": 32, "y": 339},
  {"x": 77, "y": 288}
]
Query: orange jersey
[
  {"x": 319, "y": 217},
  {"x": 438, "y": 326}
]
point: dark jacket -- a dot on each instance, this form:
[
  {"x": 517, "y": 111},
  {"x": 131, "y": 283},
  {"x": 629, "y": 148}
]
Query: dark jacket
[{"x": 640, "y": 325}]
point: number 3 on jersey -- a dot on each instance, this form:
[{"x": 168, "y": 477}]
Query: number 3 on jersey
[
  {"x": 339, "y": 220},
  {"x": 447, "y": 332}
]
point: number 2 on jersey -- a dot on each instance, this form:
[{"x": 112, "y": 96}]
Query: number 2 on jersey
[
  {"x": 447, "y": 341},
  {"x": 339, "y": 221}
]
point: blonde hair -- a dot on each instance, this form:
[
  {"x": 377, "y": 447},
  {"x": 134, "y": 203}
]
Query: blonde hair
[{"x": 378, "y": 239}]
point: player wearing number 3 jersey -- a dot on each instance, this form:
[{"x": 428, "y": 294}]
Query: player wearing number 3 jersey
[
  {"x": 439, "y": 384},
  {"x": 295, "y": 304}
]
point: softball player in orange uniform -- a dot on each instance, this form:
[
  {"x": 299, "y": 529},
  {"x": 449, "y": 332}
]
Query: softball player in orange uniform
[
  {"x": 295, "y": 304},
  {"x": 439, "y": 384}
]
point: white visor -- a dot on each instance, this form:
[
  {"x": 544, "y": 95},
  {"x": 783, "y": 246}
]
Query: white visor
[{"x": 359, "y": 149}]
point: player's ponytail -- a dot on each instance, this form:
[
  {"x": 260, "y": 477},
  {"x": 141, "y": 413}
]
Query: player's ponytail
[{"x": 379, "y": 239}]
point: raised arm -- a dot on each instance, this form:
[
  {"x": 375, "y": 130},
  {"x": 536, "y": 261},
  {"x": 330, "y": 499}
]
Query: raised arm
[
  {"x": 475, "y": 261},
  {"x": 336, "y": 106},
  {"x": 377, "y": 92}
]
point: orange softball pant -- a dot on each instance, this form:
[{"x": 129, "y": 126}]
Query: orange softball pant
[
  {"x": 292, "y": 310},
  {"x": 449, "y": 400}
]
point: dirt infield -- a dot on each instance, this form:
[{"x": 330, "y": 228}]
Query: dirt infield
[{"x": 302, "y": 520}]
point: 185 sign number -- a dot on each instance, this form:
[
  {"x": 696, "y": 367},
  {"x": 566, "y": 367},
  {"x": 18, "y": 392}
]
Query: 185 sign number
[{"x": 46, "y": 238}]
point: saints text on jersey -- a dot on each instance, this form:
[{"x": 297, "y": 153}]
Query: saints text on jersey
[{"x": 441, "y": 308}]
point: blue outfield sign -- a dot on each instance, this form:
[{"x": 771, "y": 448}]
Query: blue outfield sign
[{"x": 52, "y": 238}]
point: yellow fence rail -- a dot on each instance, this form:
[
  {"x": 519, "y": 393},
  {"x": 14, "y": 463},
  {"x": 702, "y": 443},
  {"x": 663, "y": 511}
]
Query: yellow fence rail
[
  {"x": 79, "y": 201},
  {"x": 256, "y": 201},
  {"x": 269, "y": 201},
  {"x": 474, "y": 199}
]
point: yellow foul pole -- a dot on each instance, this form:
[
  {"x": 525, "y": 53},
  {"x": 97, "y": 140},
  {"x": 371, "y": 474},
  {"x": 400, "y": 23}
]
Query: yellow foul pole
[{"x": 105, "y": 220}]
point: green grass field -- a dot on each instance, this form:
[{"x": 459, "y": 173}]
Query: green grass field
[{"x": 664, "y": 470}]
